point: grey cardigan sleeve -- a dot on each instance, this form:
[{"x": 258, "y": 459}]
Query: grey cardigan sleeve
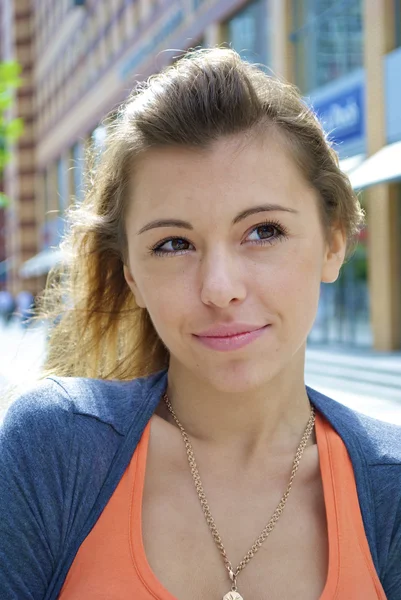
[{"x": 35, "y": 440}]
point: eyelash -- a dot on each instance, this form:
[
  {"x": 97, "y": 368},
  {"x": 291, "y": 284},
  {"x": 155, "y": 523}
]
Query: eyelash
[{"x": 282, "y": 234}]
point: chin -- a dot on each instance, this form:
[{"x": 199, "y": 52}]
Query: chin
[{"x": 238, "y": 377}]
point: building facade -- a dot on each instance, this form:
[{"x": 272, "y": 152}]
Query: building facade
[
  {"x": 18, "y": 225},
  {"x": 82, "y": 58}
]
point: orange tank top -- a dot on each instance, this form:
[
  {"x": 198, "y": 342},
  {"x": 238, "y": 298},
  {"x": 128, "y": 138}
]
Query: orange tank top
[{"x": 111, "y": 562}]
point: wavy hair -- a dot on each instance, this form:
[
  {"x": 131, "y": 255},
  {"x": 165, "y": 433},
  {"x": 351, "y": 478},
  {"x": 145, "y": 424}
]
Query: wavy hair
[{"x": 97, "y": 328}]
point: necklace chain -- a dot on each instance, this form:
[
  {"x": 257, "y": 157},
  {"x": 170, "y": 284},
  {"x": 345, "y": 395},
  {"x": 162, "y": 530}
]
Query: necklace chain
[{"x": 205, "y": 506}]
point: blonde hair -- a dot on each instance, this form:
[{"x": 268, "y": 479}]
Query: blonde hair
[{"x": 98, "y": 330}]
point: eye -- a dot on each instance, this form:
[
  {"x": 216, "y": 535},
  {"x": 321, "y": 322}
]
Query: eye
[
  {"x": 171, "y": 246},
  {"x": 267, "y": 233}
]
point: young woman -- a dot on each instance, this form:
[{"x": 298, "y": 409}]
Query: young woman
[{"x": 172, "y": 450}]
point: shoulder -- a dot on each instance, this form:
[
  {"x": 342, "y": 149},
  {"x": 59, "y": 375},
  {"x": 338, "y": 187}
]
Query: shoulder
[
  {"x": 38, "y": 408},
  {"x": 63, "y": 450},
  {"x": 113, "y": 402},
  {"x": 55, "y": 402}
]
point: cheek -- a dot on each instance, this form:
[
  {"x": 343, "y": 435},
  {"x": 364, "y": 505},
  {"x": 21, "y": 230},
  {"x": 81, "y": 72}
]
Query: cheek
[
  {"x": 295, "y": 270},
  {"x": 303, "y": 290},
  {"x": 168, "y": 293},
  {"x": 291, "y": 286}
]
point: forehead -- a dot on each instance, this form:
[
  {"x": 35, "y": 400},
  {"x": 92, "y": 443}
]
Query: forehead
[{"x": 231, "y": 174}]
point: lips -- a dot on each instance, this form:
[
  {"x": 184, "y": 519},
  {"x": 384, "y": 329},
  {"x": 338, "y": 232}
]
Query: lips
[
  {"x": 226, "y": 338},
  {"x": 228, "y": 330}
]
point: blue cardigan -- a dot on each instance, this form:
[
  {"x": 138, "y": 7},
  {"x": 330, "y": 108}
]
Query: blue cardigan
[{"x": 65, "y": 444}]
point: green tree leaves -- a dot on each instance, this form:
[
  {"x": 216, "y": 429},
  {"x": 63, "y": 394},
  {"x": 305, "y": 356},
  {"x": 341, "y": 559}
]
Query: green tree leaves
[{"x": 10, "y": 129}]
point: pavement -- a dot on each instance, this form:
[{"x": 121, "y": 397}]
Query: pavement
[
  {"x": 367, "y": 381},
  {"x": 364, "y": 380}
]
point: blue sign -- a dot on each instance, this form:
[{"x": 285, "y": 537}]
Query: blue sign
[{"x": 342, "y": 116}]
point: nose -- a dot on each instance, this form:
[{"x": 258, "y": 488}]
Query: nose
[{"x": 222, "y": 281}]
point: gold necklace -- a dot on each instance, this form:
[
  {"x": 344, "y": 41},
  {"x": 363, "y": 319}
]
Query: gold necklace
[{"x": 233, "y": 594}]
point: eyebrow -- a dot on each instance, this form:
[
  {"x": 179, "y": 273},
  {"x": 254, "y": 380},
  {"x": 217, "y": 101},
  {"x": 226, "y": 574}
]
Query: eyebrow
[{"x": 240, "y": 217}]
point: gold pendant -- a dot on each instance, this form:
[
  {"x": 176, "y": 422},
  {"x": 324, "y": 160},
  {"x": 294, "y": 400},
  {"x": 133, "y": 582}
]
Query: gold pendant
[{"x": 233, "y": 596}]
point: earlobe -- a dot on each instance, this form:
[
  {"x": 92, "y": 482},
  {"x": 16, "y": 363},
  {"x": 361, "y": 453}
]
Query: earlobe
[
  {"x": 133, "y": 287},
  {"x": 127, "y": 276},
  {"x": 335, "y": 256},
  {"x": 331, "y": 269}
]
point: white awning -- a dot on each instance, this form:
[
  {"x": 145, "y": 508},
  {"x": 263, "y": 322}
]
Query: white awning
[
  {"x": 41, "y": 263},
  {"x": 347, "y": 165},
  {"x": 382, "y": 167}
]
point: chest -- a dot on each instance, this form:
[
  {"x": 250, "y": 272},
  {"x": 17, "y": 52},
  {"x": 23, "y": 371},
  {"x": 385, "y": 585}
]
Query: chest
[{"x": 291, "y": 563}]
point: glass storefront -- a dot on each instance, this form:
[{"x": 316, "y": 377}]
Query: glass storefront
[
  {"x": 247, "y": 32},
  {"x": 328, "y": 40},
  {"x": 343, "y": 316}
]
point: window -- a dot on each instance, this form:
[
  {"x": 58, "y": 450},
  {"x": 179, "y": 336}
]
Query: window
[
  {"x": 62, "y": 185},
  {"x": 328, "y": 40},
  {"x": 102, "y": 52},
  {"x": 109, "y": 41},
  {"x": 98, "y": 139},
  {"x": 121, "y": 29},
  {"x": 115, "y": 36},
  {"x": 246, "y": 32},
  {"x": 46, "y": 194},
  {"x": 102, "y": 12},
  {"x": 130, "y": 20},
  {"x": 77, "y": 170}
]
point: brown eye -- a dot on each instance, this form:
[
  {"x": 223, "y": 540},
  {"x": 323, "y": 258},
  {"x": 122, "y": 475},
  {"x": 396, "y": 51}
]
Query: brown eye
[
  {"x": 172, "y": 246},
  {"x": 265, "y": 231},
  {"x": 178, "y": 244}
]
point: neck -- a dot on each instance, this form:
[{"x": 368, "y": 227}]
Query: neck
[{"x": 271, "y": 418}]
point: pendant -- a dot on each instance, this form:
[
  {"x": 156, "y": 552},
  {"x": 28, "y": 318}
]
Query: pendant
[{"x": 233, "y": 596}]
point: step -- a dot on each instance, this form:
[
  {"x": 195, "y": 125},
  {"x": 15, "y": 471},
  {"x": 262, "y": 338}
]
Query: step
[
  {"x": 357, "y": 388},
  {"x": 365, "y": 374},
  {"x": 390, "y": 362}
]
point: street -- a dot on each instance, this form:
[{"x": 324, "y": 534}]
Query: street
[{"x": 367, "y": 381}]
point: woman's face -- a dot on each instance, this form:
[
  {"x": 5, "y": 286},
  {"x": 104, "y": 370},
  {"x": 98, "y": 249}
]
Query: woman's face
[{"x": 226, "y": 252}]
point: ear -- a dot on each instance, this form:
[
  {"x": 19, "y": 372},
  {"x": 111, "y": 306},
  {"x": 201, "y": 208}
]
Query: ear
[
  {"x": 133, "y": 287},
  {"x": 334, "y": 255}
]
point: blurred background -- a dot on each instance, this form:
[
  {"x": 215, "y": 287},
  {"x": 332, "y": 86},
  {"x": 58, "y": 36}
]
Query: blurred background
[{"x": 65, "y": 64}]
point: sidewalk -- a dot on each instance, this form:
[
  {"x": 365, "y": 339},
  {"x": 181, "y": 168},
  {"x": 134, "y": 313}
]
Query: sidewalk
[{"x": 365, "y": 380}]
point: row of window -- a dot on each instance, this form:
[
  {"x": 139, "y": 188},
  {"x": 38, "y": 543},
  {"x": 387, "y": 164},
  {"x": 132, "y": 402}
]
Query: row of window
[
  {"x": 78, "y": 68},
  {"x": 327, "y": 36},
  {"x": 328, "y": 40},
  {"x": 247, "y": 32},
  {"x": 90, "y": 51},
  {"x": 50, "y": 15},
  {"x": 81, "y": 66},
  {"x": 64, "y": 181}
]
